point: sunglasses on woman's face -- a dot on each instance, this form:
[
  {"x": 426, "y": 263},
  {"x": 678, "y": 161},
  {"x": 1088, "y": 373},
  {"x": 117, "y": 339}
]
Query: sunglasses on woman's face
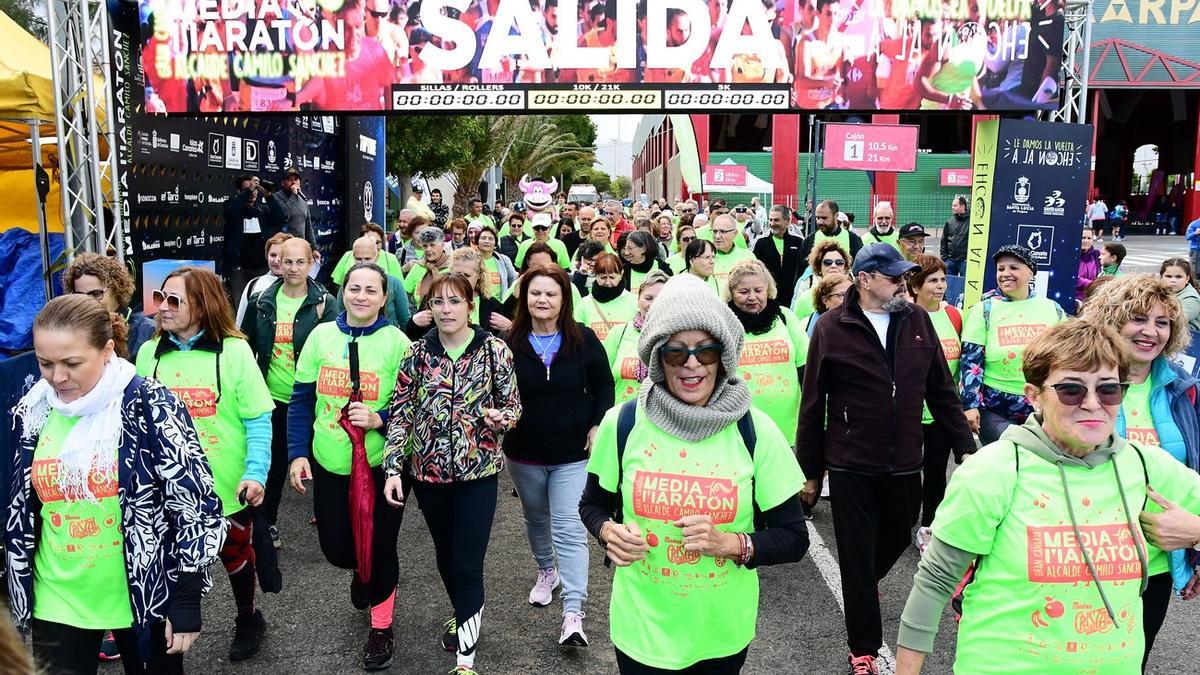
[
  {"x": 833, "y": 262},
  {"x": 686, "y": 240},
  {"x": 171, "y": 301},
  {"x": 1072, "y": 394},
  {"x": 705, "y": 354}
]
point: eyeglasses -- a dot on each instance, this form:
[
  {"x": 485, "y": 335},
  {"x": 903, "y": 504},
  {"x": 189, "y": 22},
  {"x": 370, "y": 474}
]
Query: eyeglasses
[
  {"x": 833, "y": 262},
  {"x": 95, "y": 294},
  {"x": 302, "y": 262},
  {"x": 836, "y": 295},
  {"x": 895, "y": 280},
  {"x": 686, "y": 240},
  {"x": 1108, "y": 393},
  {"x": 441, "y": 302},
  {"x": 724, "y": 231},
  {"x": 172, "y": 301},
  {"x": 705, "y": 354}
]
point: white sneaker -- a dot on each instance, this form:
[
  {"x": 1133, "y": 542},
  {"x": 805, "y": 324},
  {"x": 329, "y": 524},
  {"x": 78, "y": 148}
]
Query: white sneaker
[
  {"x": 572, "y": 631},
  {"x": 543, "y": 590},
  {"x": 923, "y": 538}
]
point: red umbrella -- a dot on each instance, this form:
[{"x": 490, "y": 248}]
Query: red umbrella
[{"x": 362, "y": 484}]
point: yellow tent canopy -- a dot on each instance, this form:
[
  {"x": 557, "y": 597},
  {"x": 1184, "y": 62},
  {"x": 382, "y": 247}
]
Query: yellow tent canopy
[{"x": 26, "y": 97}]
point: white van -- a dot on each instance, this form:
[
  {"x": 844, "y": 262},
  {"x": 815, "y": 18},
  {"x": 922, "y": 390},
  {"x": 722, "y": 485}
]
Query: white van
[{"x": 582, "y": 193}]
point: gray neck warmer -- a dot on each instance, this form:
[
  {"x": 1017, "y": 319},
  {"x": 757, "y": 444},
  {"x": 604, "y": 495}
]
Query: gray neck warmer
[{"x": 687, "y": 303}]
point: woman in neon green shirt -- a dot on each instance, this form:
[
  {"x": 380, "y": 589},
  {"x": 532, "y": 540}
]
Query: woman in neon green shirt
[
  {"x": 928, "y": 288},
  {"x": 775, "y": 346},
  {"x": 994, "y": 337},
  {"x": 1049, "y": 517},
  {"x": 685, "y": 236},
  {"x": 690, "y": 489},
  {"x": 199, "y": 353},
  {"x": 84, "y": 554},
  {"x": 621, "y": 345},
  {"x": 319, "y": 447},
  {"x": 609, "y": 305}
]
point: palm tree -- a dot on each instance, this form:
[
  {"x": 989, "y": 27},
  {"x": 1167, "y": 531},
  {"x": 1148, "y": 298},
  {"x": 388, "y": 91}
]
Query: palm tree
[
  {"x": 539, "y": 148},
  {"x": 489, "y": 141}
]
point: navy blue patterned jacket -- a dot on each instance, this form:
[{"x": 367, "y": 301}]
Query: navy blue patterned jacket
[{"x": 170, "y": 513}]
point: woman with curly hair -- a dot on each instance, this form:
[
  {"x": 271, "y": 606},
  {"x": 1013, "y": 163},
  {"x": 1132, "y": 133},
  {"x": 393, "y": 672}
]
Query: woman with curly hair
[
  {"x": 828, "y": 257},
  {"x": 103, "y": 278}
]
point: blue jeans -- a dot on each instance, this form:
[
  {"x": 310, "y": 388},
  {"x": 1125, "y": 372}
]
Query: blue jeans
[
  {"x": 956, "y": 268},
  {"x": 550, "y": 503}
]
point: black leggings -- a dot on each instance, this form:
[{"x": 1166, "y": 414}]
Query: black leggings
[
  {"x": 459, "y": 516},
  {"x": 933, "y": 485},
  {"x": 277, "y": 476},
  {"x": 66, "y": 650},
  {"x": 1155, "y": 602},
  {"x": 331, "y": 503},
  {"x": 726, "y": 665}
]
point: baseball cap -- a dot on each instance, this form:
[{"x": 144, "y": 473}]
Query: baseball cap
[
  {"x": 912, "y": 230},
  {"x": 416, "y": 187},
  {"x": 882, "y": 258}
]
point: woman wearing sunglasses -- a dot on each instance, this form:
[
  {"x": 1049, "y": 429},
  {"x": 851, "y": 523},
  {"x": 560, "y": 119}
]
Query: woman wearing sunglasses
[
  {"x": 689, "y": 489},
  {"x": 608, "y": 305},
  {"x": 994, "y": 337},
  {"x": 455, "y": 396},
  {"x": 928, "y": 288},
  {"x": 1161, "y": 407},
  {"x": 199, "y": 353},
  {"x": 566, "y": 387},
  {"x": 318, "y": 446},
  {"x": 700, "y": 259},
  {"x": 104, "y": 279},
  {"x": 622, "y": 345},
  {"x": 828, "y": 258},
  {"x": 685, "y": 236},
  {"x": 775, "y": 345},
  {"x": 1048, "y": 515},
  {"x": 112, "y": 521}
]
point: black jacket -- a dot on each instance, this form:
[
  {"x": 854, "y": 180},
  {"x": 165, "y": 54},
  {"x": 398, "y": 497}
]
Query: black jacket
[
  {"x": 785, "y": 269},
  {"x": 954, "y": 238},
  {"x": 872, "y": 397},
  {"x": 235, "y": 249},
  {"x": 559, "y": 411},
  {"x": 509, "y": 244},
  {"x": 806, "y": 248},
  {"x": 259, "y": 323}
]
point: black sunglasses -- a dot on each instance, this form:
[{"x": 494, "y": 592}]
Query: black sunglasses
[
  {"x": 377, "y": 15},
  {"x": 832, "y": 262},
  {"x": 171, "y": 300},
  {"x": 705, "y": 354},
  {"x": 1072, "y": 394},
  {"x": 541, "y": 228}
]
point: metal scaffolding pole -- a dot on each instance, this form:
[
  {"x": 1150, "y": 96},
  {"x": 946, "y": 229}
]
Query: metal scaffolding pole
[
  {"x": 79, "y": 35},
  {"x": 1077, "y": 62}
]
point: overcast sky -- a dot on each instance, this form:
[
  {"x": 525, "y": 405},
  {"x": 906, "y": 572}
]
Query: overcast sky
[{"x": 614, "y": 142}]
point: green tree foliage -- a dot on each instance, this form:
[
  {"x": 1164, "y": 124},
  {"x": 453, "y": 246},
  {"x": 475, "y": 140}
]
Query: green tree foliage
[
  {"x": 430, "y": 145},
  {"x": 539, "y": 147},
  {"x": 622, "y": 187},
  {"x": 30, "y": 15},
  {"x": 598, "y": 178}
]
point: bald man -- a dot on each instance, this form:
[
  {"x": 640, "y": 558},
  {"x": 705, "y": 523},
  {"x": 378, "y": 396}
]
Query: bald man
[{"x": 396, "y": 310}]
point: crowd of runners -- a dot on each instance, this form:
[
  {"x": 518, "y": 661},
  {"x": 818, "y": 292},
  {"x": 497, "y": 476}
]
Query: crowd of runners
[{"x": 684, "y": 385}]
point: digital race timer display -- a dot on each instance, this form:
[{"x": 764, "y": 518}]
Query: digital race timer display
[
  {"x": 457, "y": 97},
  {"x": 590, "y": 97}
]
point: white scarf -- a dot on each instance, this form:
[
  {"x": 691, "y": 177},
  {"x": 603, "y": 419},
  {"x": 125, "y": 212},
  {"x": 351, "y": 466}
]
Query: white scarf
[{"x": 91, "y": 446}]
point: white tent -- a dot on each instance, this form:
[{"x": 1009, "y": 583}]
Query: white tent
[{"x": 754, "y": 185}]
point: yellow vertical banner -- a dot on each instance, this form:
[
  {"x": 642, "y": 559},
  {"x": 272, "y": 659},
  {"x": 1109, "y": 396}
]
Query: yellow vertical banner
[{"x": 983, "y": 171}]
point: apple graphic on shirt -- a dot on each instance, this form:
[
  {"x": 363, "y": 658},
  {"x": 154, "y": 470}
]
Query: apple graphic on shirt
[
  {"x": 1054, "y": 608},
  {"x": 652, "y": 539}
]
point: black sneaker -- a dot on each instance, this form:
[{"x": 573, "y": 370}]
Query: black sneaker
[
  {"x": 358, "y": 594},
  {"x": 377, "y": 654},
  {"x": 275, "y": 540},
  {"x": 450, "y": 636},
  {"x": 247, "y": 636}
]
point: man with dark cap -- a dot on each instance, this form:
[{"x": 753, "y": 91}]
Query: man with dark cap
[
  {"x": 289, "y": 208},
  {"x": 860, "y": 419},
  {"x": 912, "y": 240}
]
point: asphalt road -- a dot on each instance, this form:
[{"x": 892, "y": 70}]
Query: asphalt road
[{"x": 314, "y": 629}]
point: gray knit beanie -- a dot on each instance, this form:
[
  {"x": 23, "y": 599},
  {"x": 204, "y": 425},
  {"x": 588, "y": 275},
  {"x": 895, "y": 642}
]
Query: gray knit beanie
[{"x": 688, "y": 303}]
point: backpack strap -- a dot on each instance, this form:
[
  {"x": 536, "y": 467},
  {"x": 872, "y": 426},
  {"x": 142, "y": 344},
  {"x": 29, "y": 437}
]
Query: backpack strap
[
  {"x": 625, "y": 420},
  {"x": 955, "y": 318}
]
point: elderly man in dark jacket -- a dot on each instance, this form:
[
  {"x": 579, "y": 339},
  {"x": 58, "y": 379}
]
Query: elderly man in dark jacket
[{"x": 871, "y": 364}]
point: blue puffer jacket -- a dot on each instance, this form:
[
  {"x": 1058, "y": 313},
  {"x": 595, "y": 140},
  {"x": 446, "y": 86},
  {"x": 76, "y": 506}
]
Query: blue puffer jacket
[{"x": 1176, "y": 416}]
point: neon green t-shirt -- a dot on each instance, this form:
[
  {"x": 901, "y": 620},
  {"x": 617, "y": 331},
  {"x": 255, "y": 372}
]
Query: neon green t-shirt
[
  {"x": 388, "y": 261},
  {"x": 325, "y": 360},
  {"x": 842, "y": 238},
  {"x": 485, "y": 220},
  {"x": 602, "y": 318},
  {"x": 1139, "y": 427},
  {"x": 79, "y": 576},
  {"x": 778, "y": 241},
  {"x": 951, "y": 347},
  {"x": 768, "y": 365},
  {"x": 636, "y": 277},
  {"x": 675, "y": 262},
  {"x": 803, "y": 304},
  {"x": 217, "y": 411},
  {"x": 559, "y": 248},
  {"x": 1033, "y": 607},
  {"x": 664, "y": 479},
  {"x": 281, "y": 372},
  {"x": 1011, "y": 327},
  {"x": 458, "y": 351},
  {"x": 492, "y": 268},
  {"x": 412, "y": 280},
  {"x": 621, "y": 346},
  {"x": 892, "y": 238},
  {"x": 724, "y": 262}
]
